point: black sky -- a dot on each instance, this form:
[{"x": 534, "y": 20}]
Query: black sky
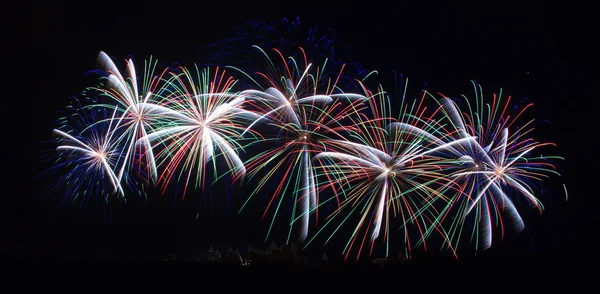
[{"x": 538, "y": 50}]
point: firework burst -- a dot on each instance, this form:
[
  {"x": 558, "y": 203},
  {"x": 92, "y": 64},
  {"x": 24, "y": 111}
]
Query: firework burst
[
  {"x": 306, "y": 109},
  {"x": 286, "y": 36},
  {"x": 201, "y": 119},
  {"x": 134, "y": 118},
  {"x": 492, "y": 170},
  {"x": 88, "y": 156},
  {"x": 388, "y": 168}
]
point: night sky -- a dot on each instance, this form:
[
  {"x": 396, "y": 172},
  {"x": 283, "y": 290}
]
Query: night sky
[{"x": 536, "y": 50}]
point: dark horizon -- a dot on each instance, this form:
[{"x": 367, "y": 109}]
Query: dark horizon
[{"x": 529, "y": 50}]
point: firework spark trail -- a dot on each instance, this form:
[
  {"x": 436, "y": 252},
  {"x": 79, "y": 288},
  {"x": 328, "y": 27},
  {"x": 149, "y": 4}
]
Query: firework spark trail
[
  {"x": 388, "y": 170},
  {"x": 490, "y": 168},
  {"x": 204, "y": 118},
  {"x": 306, "y": 116}
]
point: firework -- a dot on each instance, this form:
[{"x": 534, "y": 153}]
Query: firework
[
  {"x": 201, "y": 118},
  {"x": 306, "y": 109},
  {"x": 493, "y": 169},
  {"x": 388, "y": 168},
  {"x": 134, "y": 117},
  {"x": 88, "y": 156},
  {"x": 286, "y": 35}
]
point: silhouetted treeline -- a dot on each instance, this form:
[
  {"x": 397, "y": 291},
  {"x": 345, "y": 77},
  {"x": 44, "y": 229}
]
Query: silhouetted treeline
[{"x": 425, "y": 271}]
